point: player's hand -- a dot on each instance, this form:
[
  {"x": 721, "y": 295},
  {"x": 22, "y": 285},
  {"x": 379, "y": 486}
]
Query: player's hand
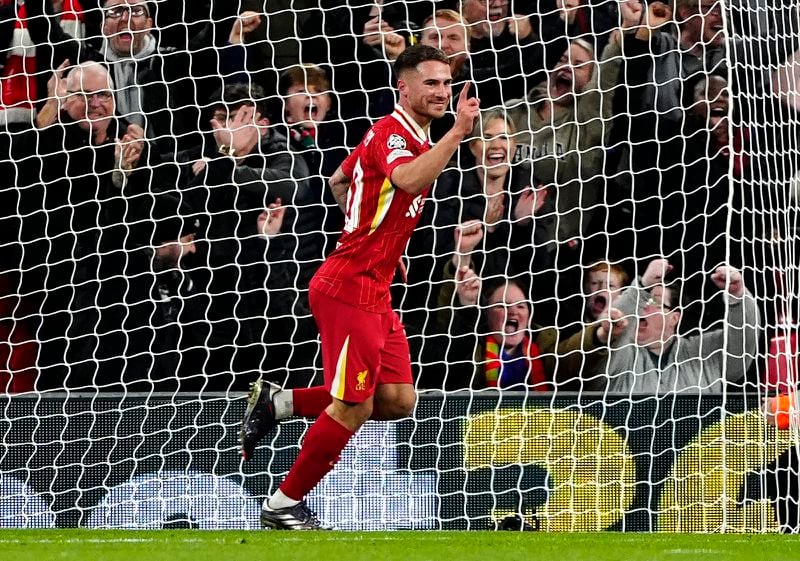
[
  {"x": 730, "y": 278},
  {"x": 269, "y": 222},
  {"x": 468, "y": 286},
  {"x": 656, "y": 270},
  {"x": 612, "y": 325},
  {"x": 467, "y": 110}
]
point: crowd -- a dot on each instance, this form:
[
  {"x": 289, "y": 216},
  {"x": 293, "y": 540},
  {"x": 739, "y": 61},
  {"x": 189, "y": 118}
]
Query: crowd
[{"x": 164, "y": 200}]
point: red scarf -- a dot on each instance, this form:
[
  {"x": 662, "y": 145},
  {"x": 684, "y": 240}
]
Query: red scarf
[{"x": 502, "y": 370}]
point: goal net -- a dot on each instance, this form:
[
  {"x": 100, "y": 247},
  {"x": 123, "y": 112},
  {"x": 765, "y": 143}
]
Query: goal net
[{"x": 599, "y": 297}]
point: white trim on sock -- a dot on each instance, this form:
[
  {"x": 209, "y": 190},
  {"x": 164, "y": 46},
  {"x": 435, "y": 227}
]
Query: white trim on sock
[
  {"x": 278, "y": 501},
  {"x": 284, "y": 404}
]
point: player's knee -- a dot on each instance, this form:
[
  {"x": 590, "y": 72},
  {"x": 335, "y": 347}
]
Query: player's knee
[
  {"x": 351, "y": 415},
  {"x": 403, "y": 405}
]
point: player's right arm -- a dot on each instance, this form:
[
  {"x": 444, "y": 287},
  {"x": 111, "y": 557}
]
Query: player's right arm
[
  {"x": 339, "y": 184},
  {"x": 415, "y": 176}
]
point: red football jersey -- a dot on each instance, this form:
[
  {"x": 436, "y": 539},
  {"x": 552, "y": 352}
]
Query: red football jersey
[{"x": 380, "y": 217}]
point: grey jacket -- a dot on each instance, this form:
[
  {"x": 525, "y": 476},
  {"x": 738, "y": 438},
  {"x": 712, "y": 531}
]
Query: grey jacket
[
  {"x": 566, "y": 151},
  {"x": 694, "y": 364}
]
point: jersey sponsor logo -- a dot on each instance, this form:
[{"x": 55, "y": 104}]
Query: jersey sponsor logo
[
  {"x": 397, "y": 153},
  {"x": 415, "y": 207},
  {"x": 396, "y": 142},
  {"x": 361, "y": 378}
]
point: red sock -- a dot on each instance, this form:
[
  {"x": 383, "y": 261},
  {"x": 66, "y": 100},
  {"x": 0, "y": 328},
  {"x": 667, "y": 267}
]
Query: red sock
[
  {"x": 322, "y": 445},
  {"x": 310, "y": 402}
]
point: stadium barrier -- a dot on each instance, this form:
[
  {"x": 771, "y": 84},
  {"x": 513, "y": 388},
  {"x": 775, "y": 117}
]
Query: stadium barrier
[{"x": 680, "y": 463}]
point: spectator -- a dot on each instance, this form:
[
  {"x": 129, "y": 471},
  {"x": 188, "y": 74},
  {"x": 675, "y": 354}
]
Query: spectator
[
  {"x": 155, "y": 88},
  {"x": 506, "y": 59},
  {"x": 564, "y": 126},
  {"x": 323, "y": 139},
  {"x": 71, "y": 192},
  {"x": 602, "y": 285},
  {"x": 139, "y": 325},
  {"x": 18, "y": 346},
  {"x": 651, "y": 357},
  {"x": 494, "y": 344},
  {"x": 483, "y": 218},
  {"x": 243, "y": 166}
]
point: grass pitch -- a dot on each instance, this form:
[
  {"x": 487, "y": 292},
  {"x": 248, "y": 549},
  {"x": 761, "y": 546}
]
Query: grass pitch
[{"x": 171, "y": 545}]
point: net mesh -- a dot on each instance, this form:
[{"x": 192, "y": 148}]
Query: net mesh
[{"x": 599, "y": 297}]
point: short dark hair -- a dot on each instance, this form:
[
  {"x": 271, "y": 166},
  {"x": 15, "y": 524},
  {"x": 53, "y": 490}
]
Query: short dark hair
[
  {"x": 233, "y": 96},
  {"x": 416, "y": 54}
]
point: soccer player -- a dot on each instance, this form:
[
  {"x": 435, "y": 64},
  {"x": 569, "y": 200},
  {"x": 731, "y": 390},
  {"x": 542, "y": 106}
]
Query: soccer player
[{"x": 365, "y": 356}]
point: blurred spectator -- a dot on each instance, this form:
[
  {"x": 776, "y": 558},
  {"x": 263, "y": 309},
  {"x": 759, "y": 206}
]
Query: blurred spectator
[
  {"x": 18, "y": 346},
  {"x": 651, "y": 357},
  {"x": 67, "y": 199},
  {"x": 563, "y": 20},
  {"x": 140, "y": 324},
  {"x": 158, "y": 89},
  {"x": 324, "y": 139},
  {"x": 602, "y": 285},
  {"x": 244, "y": 165},
  {"x": 505, "y": 56},
  {"x": 494, "y": 343},
  {"x": 483, "y": 218},
  {"x": 564, "y": 125},
  {"x": 18, "y": 84}
]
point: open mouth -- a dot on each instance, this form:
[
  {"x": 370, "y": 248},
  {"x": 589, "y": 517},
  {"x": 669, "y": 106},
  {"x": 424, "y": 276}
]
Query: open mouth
[
  {"x": 511, "y": 327},
  {"x": 495, "y": 15},
  {"x": 311, "y": 111},
  {"x": 495, "y": 158},
  {"x": 599, "y": 304}
]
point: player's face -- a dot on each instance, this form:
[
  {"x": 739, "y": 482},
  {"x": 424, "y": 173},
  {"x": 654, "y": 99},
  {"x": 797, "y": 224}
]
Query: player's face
[
  {"x": 493, "y": 152},
  {"x": 508, "y": 316},
  {"x": 657, "y": 320},
  {"x": 126, "y": 24},
  {"x": 426, "y": 90},
  {"x": 601, "y": 289}
]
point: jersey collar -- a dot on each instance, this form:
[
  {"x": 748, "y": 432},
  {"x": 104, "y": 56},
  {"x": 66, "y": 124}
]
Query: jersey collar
[{"x": 410, "y": 124}]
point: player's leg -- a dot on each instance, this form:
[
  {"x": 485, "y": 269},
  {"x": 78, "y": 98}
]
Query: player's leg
[
  {"x": 395, "y": 396},
  {"x": 351, "y": 343}
]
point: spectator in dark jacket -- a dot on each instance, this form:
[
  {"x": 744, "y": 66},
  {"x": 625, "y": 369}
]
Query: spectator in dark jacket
[
  {"x": 243, "y": 166},
  {"x": 161, "y": 90}
]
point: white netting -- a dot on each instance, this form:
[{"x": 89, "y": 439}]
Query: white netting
[{"x": 165, "y": 204}]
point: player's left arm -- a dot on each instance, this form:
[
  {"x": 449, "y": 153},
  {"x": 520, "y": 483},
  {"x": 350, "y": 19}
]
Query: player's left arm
[{"x": 340, "y": 184}]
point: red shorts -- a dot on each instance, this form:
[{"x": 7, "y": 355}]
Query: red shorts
[{"x": 359, "y": 349}]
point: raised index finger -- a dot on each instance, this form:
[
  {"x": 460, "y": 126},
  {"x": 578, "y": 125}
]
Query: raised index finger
[{"x": 464, "y": 91}]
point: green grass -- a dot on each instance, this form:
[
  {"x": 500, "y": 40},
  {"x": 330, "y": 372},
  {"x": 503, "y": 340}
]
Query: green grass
[{"x": 179, "y": 545}]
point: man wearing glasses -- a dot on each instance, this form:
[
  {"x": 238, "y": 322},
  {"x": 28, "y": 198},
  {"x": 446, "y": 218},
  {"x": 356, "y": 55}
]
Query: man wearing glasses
[
  {"x": 153, "y": 84},
  {"x": 651, "y": 357}
]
